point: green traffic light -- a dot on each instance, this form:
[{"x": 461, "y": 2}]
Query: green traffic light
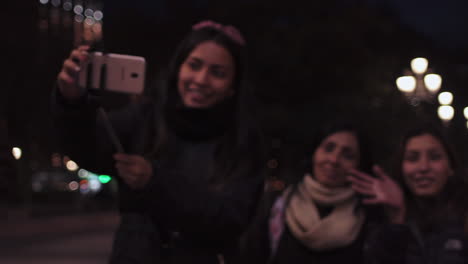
[{"x": 105, "y": 179}]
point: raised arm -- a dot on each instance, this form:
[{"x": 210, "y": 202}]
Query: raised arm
[{"x": 381, "y": 190}]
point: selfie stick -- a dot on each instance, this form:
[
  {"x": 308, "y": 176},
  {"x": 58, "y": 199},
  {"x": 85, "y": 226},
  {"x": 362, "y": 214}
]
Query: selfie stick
[
  {"x": 101, "y": 112},
  {"x": 110, "y": 130}
]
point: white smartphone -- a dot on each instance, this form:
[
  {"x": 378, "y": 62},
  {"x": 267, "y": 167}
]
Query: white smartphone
[{"x": 113, "y": 72}]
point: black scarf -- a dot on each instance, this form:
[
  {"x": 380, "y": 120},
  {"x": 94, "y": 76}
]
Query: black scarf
[{"x": 201, "y": 123}]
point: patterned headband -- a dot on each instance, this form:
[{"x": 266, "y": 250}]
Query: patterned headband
[{"x": 230, "y": 31}]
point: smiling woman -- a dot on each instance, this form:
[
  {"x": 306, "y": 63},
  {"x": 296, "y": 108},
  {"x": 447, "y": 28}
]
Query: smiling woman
[
  {"x": 206, "y": 76},
  {"x": 192, "y": 168},
  {"x": 336, "y": 155},
  {"x": 428, "y": 169},
  {"x": 319, "y": 219},
  {"x": 426, "y": 166},
  {"x": 428, "y": 215}
]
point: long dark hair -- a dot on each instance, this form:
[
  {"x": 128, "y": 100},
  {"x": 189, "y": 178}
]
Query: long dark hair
[
  {"x": 241, "y": 139},
  {"x": 450, "y": 202}
]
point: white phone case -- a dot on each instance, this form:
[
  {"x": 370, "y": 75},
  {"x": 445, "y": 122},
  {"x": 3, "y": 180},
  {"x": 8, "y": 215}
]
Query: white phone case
[{"x": 123, "y": 73}]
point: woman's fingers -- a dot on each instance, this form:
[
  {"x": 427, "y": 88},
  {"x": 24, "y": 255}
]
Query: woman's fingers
[
  {"x": 362, "y": 176},
  {"x": 128, "y": 174},
  {"x": 363, "y": 190},
  {"x": 379, "y": 172},
  {"x": 80, "y": 55},
  {"x": 71, "y": 67},
  {"x": 129, "y": 167},
  {"x": 69, "y": 73},
  {"x": 371, "y": 201},
  {"x": 83, "y": 47},
  {"x": 361, "y": 185},
  {"x": 125, "y": 158},
  {"x": 135, "y": 170},
  {"x": 66, "y": 78}
]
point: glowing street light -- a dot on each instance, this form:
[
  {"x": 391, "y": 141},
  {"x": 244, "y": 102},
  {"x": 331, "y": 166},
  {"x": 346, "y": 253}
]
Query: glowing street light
[
  {"x": 445, "y": 98},
  {"x": 71, "y": 165},
  {"x": 446, "y": 113},
  {"x": 98, "y": 15},
  {"x": 433, "y": 82},
  {"x": 418, "y": 86},
  {"x": 78, "y": 9},
  {"x": 406, "y": 84},
  {"x": 465, "y": 112},
  {"x": 17, "y": 153},
  {"x": 419, "y": 65}
]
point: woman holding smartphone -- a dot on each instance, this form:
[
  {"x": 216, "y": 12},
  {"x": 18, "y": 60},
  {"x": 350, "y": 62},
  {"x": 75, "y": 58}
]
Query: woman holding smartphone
[{"x": 192, "y": 171}]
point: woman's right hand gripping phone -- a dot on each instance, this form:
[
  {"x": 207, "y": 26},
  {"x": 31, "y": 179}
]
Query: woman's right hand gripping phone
[{"x": 67, "y": 79}]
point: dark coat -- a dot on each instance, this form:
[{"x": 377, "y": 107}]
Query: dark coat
[
  {"x": 406, "y": 244},
  {"x": 198, "y": 222}
]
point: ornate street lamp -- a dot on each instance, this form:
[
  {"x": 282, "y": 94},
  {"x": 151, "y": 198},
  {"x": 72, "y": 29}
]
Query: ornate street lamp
[{"x": 419, "y": 84}]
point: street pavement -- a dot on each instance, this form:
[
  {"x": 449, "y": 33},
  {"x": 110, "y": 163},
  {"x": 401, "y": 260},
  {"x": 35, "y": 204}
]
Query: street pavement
[{"x": 69, "y": 239}]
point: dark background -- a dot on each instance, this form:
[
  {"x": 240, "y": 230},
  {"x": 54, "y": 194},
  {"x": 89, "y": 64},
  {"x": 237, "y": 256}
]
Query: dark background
[{"x": 310, "y": 61}]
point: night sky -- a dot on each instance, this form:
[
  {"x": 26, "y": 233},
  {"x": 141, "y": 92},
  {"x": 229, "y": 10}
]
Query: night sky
[{"x": 446, "y": 22}]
